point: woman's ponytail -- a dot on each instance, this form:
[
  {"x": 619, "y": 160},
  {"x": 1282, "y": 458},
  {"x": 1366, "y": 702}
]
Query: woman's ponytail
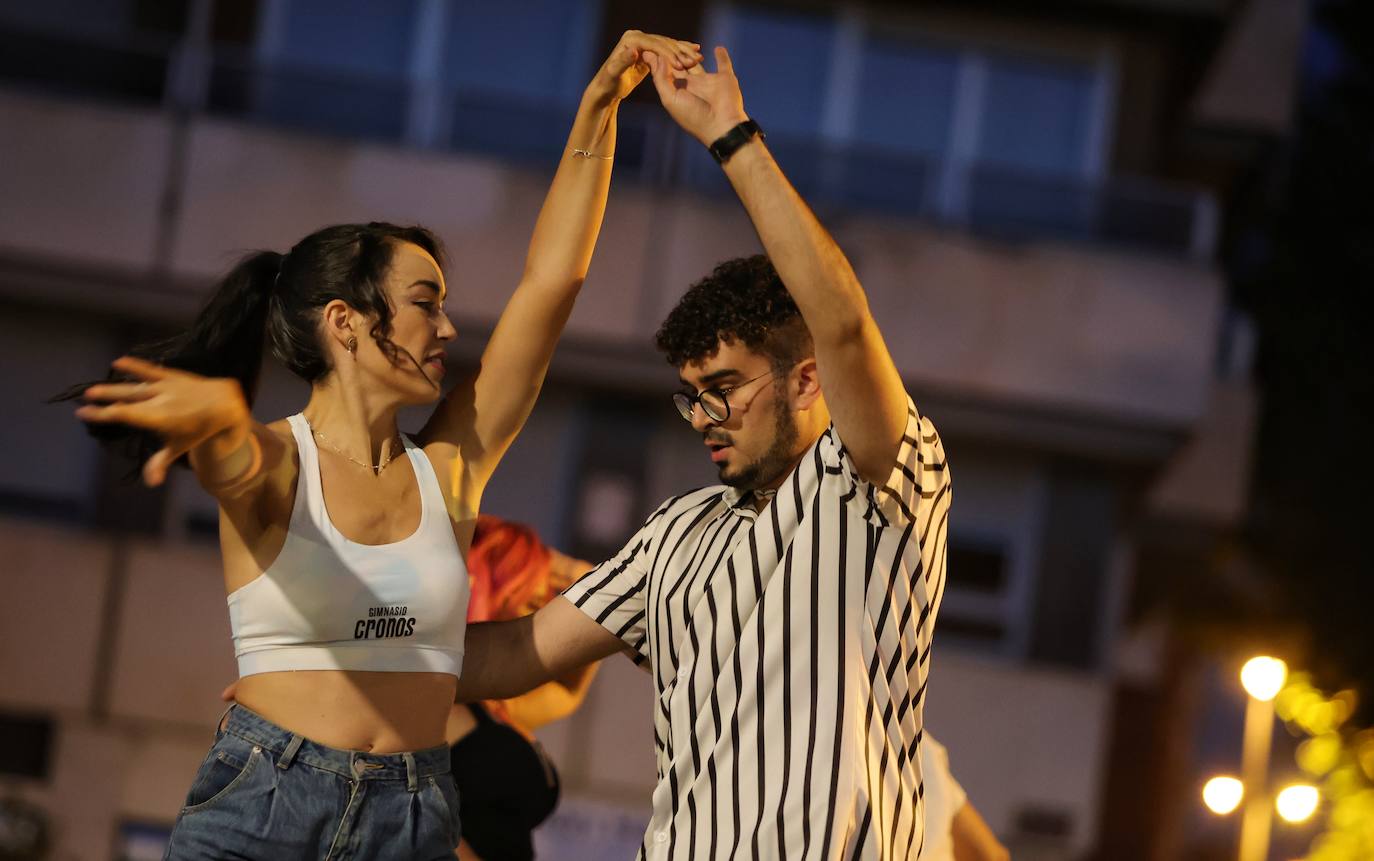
[
  {"x": 273, "y": 301},
  {"x": 229, "y": 334},
  {"x": 226, "y": 339}
]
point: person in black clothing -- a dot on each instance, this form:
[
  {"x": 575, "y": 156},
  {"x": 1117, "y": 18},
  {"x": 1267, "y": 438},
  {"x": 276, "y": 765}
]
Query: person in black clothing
[{"x": 507, "y": 784}]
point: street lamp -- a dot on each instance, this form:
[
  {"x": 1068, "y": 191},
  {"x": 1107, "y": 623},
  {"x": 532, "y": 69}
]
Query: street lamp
[
  {"x": 1222, "y": 795},
  {"x": 1262, "y": 678},
  {"x": 1297, "y": 802}
]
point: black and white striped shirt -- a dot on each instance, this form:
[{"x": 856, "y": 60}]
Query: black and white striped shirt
[{"x": 789, "y": 651}]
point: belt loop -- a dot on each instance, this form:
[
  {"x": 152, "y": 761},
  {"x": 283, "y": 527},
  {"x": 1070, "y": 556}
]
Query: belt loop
[
  {"x": 412, "y": 778},
  {"x": 289, "y": 755}
]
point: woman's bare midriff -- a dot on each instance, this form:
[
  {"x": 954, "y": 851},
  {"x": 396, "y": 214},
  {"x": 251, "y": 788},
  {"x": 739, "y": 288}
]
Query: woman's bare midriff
[{"x": 368, "y": 711}]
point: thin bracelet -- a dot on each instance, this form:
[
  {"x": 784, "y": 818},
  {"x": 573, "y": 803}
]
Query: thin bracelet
[{"x": 588, "y": 154}]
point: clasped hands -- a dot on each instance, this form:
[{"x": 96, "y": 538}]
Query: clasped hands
[{"x": 705, "y": 104}]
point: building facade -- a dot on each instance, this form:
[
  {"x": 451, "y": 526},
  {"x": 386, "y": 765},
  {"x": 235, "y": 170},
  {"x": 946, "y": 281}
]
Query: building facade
[{"x": 1007, "y": 182}]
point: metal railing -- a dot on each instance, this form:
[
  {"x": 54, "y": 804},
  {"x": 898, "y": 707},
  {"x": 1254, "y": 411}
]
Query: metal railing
[{"x": 230, "y": 81}]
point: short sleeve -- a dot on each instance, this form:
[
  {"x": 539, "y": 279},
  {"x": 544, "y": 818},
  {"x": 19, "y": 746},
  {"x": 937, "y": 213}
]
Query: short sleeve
[
  {"x": 613, "y": 593},
  {"x": 916, "y": 487}
]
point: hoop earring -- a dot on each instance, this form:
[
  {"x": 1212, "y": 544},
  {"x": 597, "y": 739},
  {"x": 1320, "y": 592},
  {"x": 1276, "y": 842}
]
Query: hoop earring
[{"x": 353, "y": 347}]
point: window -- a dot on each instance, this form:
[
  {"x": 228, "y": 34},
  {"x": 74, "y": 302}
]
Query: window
[
  {"x": 785, "y": 57},
  {"x": 27, "y": 751},
  {"x": 905, "y": 98},
  {"x": 993, "y": 554},
  {"x": 514, "y": 72},
  {"x": 337, "y": 66},
  {"x": 1036, "y": 115},
  {"x": 93, "y": 47},
  {"x": 54, "y": 465},
  {"x": 896, "y": 115}
]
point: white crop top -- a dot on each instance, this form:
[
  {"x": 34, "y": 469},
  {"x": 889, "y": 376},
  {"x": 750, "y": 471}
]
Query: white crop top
[{"x": 328, "y": 603}]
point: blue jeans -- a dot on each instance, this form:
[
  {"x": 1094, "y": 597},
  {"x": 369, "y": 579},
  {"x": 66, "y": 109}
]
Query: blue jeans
[{"x": 264, "y": 792}]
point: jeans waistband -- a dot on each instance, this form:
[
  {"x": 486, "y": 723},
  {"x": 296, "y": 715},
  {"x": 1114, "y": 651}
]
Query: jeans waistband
[{"x": 290, "y": 747}]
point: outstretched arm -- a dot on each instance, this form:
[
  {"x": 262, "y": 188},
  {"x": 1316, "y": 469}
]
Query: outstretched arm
[
  {"x": 562, "y": 696},
  {"x": 206, "y": 418},
  {"x": 862, "y": 387},
  {"x": 505, "y": 659},
  {"x": 479, "y": 419}
]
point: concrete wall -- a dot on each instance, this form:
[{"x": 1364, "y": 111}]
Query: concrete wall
[
  {"x": 1022, "y": 738},
  {"x": 89, "y": 179},
  {"x": 1208, "y": 479},
  {"x": 1121, "y": 335}
]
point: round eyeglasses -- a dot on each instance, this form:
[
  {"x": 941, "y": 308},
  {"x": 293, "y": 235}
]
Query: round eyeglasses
[{"x": 715, "y": 402}]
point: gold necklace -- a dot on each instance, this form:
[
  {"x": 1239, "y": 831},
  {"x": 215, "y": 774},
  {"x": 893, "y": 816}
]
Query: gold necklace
[{"x": 377, "y": 470}]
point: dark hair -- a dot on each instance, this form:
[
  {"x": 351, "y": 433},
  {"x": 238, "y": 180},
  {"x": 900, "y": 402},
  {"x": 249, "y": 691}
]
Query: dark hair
[
  {"x": 743, "y": 300},
  {"x": 273, "y": 301}
]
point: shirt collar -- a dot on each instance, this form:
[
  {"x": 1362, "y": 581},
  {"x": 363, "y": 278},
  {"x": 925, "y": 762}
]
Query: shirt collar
[{"x": 736, "y": 498}]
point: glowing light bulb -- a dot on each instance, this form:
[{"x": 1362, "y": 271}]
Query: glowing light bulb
[
  {"x": 1263, "y": 677},
  {"x": 1223, "y": 794},
  {"x": 1297, "y": 803}
]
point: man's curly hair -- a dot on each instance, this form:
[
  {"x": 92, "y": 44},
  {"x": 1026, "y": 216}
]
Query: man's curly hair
[{"x": 742, "y": 301}]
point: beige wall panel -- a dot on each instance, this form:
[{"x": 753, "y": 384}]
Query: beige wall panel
[
  {"x": 174, "y": 654},
  {"x": 1020, "y": 736},
  {"x": 159, "y": 773},
  {"x": 55, "y": 582},
  {"x": 608, "y": 748},
  {"x": 1208, "y": 479},
  {"x": 1124, "y": 335},
  {"x": 89, "y": 179},
  {"x": 82, "y": 797},
  {"x": 1052, "y": 326}
]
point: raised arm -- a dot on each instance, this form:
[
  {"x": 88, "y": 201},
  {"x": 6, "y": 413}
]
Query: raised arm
[
  {"x": 861, "y": 384},
  {"x": 479, "y": 419}
]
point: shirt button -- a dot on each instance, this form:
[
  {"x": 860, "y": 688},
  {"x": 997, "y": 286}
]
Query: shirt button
[
  {"x": 683, "y": 673},
  {"x": 661, "y": 837}
]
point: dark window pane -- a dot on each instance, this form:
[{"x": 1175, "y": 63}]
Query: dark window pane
[
  {"x": 27, "y": 751},
  {"x": 359, "y": 36},
  {"x": 1037, "y": 114},
  {"x": 784, "y": 60},
  {"x": 311, "y": 100},
  {"x": 976, "y": 566},
  {"x": 535, "y": 52},
  {"x": 71, "y": 64},
  {"x": 975, "y": 630},
  {"x": 905, "y": 99},
  {"x": 92, "y": 19},
  {"x": 519, "y": 132},
  {"x": 1074, "y": 552}
]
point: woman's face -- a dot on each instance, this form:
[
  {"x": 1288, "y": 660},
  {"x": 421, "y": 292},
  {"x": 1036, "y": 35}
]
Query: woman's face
[{"x": 419, "y": 328}]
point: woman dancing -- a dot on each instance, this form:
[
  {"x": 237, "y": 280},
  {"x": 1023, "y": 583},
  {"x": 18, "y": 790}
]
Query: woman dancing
[{"x": 343, "y": 541}]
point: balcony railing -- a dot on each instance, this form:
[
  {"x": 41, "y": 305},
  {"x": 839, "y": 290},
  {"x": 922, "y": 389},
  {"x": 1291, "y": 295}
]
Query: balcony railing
[{"x": 229, "y": 81}]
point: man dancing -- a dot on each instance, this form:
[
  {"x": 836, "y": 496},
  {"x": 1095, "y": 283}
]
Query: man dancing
[{"x": 785, "y": 616}]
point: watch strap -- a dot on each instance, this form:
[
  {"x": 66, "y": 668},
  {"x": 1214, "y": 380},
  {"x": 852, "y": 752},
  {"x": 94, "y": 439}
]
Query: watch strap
[{"x": 727, "y": 144}]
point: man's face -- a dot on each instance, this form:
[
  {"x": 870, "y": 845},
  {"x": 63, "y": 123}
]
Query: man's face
[{"x": 755, "y": 446}]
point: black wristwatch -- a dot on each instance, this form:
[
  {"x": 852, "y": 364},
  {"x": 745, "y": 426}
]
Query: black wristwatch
[{"x": 726, "y": 145}]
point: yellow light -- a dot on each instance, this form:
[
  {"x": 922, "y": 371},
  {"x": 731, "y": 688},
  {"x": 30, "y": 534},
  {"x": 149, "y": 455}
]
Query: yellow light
[
  {"x": 1297, "y": 803},
  {"x": 1223, "y": 794},
  {"x": 1263, "y": 677},
  {"x": 1319, "y": 754}
]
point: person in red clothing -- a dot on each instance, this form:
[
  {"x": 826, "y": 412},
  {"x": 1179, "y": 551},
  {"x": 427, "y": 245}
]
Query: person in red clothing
[{"x": 507, "y": 783}]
